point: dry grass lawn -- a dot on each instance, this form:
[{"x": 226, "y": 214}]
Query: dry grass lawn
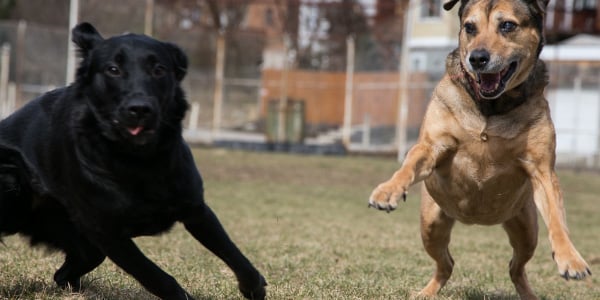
[{"x": 304, "y": 222}]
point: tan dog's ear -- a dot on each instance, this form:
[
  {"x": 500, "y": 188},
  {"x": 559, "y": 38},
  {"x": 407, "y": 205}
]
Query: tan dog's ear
[
  {"x": 541, "y": 4},
  {"x": 538, "y": 5},
  {"x": 449, "y": 4}
]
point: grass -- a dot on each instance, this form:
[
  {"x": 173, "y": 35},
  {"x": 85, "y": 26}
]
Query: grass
[{"x": 304, "y": 222}]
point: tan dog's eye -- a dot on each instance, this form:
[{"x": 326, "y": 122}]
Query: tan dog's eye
[
  {"x": 508, "y": 26},
  {"x": 470, "y": 28}
]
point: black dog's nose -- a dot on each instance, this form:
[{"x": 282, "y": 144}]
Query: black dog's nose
[
  {"x": 138, "y": 109},
  {"x": 479, "y": 59}
]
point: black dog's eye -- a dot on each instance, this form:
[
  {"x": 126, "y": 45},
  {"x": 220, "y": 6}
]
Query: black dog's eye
[
  {"x": 508, "y": 26},
  {"x": 159, "y": 71},
  {"x": 470, "y": 28},
  {"x": 113, "y": 71}
]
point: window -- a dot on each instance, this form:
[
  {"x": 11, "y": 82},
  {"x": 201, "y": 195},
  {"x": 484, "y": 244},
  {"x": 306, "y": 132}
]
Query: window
[
  {"x": 585, "y": 4},
  {"x": 431, "y": 8}
]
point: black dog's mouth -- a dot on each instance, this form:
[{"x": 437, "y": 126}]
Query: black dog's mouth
[
  {"x": 138, "y": 134},
  {"x": 135, "y": 130},
  {"x": 492, "y": 85}
]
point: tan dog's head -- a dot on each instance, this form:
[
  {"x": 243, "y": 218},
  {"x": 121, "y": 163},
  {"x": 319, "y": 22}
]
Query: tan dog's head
[{"x": 499, "y": 42}]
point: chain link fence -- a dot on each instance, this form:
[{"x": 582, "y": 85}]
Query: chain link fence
[{"x": 302, "y": 96}]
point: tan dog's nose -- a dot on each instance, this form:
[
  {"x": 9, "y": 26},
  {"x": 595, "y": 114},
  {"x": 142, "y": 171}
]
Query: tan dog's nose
[{"x": 479, "y": 59}]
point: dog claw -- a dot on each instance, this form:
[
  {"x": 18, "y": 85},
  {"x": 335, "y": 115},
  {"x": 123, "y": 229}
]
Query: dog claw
[{"x": 576, "y": 276}]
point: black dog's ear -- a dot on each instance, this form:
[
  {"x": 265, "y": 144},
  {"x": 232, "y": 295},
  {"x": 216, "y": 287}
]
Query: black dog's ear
[
  {"x": 449, "y": 4},
  {"x": 86, "y": 37},
  {"x": 180, "y": 61}
]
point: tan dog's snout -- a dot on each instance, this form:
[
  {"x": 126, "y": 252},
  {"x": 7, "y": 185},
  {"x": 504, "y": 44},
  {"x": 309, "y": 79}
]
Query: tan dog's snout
[{"x": 479, "y": 59}]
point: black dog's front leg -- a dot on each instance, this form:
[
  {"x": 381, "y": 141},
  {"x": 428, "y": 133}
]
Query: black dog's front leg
[
  {"x": 206, "y": 228},
  {"x": 128, "y": 257},
  {"x": 78, "y": 261}
]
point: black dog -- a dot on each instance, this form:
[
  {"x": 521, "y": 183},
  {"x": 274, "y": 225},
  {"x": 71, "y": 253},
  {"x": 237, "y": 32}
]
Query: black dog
[{"x": 85, "y": 168}]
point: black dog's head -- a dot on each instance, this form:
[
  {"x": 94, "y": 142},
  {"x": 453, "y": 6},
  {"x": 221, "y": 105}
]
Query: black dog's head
[{"x": 131, "y": 83}]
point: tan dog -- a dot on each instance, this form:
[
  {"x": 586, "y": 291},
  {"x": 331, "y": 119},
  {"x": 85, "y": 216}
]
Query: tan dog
[{"x": 486, "y": 146}]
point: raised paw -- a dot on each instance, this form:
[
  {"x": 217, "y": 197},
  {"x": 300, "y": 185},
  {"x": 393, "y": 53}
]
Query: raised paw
[
  {"x": 571, "y": 265},
  {"x": 386, "y": 196}
]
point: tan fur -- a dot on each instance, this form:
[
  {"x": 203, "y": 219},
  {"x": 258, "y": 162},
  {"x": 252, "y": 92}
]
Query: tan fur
[{"x": 489, "y": 161}]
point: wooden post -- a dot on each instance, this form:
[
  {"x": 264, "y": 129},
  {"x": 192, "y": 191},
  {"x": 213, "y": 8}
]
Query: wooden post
[
  {"x": 4, "y": 68},
  {"x": 349, "y": 91},
  {"x": 283, "y": 97},
  {"x": 366, "y": 136},
  {"x": 402, "y": 116},
  {"x": 219, "y": 74},
  {"x": 149, "y": 17},
  {"x": 19, "y": 52},
  {"x": 73, "y": 16},
  {"x": 194, "y": 114}
]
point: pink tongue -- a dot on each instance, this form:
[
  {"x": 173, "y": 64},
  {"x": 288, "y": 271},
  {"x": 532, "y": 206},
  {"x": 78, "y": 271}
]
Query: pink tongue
[{"x": 136, "y": 130}]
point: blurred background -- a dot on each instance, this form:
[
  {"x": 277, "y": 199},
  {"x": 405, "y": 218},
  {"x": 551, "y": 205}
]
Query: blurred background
[{"x": 314, "y": 76}]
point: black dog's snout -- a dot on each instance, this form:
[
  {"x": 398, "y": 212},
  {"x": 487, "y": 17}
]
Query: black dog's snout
[
  {"x": 139, "y": 109},
  {"x": 479, "y": 59}
]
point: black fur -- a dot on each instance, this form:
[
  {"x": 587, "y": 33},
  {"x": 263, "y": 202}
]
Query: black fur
[{"x": 85, "y": 168}]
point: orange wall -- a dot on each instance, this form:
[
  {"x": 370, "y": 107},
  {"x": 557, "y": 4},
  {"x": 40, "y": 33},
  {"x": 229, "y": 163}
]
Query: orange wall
[{"x": 375, "y": 95}]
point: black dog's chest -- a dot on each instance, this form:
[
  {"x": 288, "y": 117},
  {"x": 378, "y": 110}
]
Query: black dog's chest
[
  {"x": 132, "y": 199},
  {"x": 151, "y": 206}
]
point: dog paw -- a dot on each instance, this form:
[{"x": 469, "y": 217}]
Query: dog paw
[
  {"x": 258, "y": 292},
  {"x": 62, "y": 279},
  {"x": 571, "y": 265},
  {"x": 386, "y": 196}
]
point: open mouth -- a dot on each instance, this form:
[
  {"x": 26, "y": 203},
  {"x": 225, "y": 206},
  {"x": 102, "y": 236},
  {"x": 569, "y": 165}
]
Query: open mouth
[
  {"x": 492, "y": 85},
  {"x": 135, "y": 130},
  {"x": 137, "y": 133}
]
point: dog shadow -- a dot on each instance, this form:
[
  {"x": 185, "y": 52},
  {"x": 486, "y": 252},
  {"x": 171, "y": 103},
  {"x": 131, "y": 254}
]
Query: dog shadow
[
  {"x": 30, "y": 288},
  {"x": 474, "y": 294}
]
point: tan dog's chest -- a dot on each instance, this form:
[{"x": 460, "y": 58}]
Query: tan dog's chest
[{"x": 481, "y": 182}]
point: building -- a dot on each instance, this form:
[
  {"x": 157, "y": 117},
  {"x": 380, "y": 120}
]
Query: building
[
  {"x": 566, "y": 18},
  {"x": 433, "y": 33}
]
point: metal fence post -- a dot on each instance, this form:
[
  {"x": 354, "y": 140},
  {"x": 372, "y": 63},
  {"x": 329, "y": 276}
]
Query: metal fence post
[{"x": 349, "y": 92}]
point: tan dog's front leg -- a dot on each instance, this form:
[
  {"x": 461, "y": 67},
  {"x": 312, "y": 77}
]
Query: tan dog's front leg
[
  {"x": 418, "y": 164},
  {"x": 549, "y": 202}
]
